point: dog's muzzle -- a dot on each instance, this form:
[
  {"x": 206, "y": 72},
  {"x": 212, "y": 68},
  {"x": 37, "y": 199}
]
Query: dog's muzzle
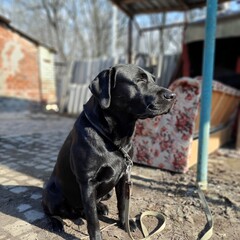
[{"x": 169, "y": 96}]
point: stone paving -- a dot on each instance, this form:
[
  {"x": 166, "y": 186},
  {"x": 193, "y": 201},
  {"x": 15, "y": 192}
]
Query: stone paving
[{"x": 29, "y": 144}]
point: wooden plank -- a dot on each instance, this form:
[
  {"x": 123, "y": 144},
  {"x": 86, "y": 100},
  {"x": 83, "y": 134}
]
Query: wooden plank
[
  {"x": 216, "y": 140},
  {"x": 238, "y": 131},
  {"x": 217, "y": 107},
  {"x": 228, "y": 109}
]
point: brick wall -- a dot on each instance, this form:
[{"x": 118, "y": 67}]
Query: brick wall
[
  {"x": 21, "y": 85},
  {"x": 19, "y": 73}
]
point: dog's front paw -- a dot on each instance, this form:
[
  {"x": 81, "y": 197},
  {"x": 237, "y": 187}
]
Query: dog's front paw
[
  {"x": 56, "y": 225},
  {"x": 78, "y": 222},
  {"x": 102, "y": 209},
  {"x": 132, "y": 225}
]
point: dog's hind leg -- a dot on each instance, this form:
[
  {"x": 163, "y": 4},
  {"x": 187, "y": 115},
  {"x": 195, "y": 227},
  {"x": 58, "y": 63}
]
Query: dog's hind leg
[
  {"x": 56, "y": 207},
  {"x": 102, "y": 209},
  {"x": 107, "y": 196},
  {"x": 57, "y": 224}
]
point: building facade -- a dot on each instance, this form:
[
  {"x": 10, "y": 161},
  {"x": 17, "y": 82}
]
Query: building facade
[{"x": 27, "y": 77}]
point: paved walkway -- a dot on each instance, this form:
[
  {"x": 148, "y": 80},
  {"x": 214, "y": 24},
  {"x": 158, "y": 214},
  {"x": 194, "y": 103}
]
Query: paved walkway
[{"x": 29, "y": 144}]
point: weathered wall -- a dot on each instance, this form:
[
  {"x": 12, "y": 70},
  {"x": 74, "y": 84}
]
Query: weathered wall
[
  {"x": 47, "y": 75},
  {"x": 19, "y": 74},
  {"x": 26, "y": 72}
]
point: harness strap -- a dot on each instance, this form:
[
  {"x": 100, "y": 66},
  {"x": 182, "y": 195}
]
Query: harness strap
[
  {"x": 159, "y": 216},
  {"x": 128, "y": 190},
  {"x": 209, "y": 226}
]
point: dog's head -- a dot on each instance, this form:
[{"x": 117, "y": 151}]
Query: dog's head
[{"x": 130, "y": 89}]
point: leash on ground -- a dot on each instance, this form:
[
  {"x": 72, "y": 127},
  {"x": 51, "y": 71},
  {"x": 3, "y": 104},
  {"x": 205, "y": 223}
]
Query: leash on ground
[
  {"x": 128, "y": 190},
  {"x": 159, "y": 216},
  {"x": 205, "y": 234},
  {"x": 208, "y": 230}
]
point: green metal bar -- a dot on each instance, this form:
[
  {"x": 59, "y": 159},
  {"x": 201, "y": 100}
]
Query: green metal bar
[{"x": 206, "y": 93}]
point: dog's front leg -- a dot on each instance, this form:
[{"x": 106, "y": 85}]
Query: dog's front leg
[
  {"x": 88, "y": 193},
  {"x": 120, "y": 191}
]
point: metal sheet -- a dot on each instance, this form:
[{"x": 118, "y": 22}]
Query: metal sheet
[
  {"x": 134, "y": 7},
  {"x": 228, "y": 25}
]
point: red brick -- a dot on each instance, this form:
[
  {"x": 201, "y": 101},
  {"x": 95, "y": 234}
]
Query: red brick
[{"x": 26, "y": 74}]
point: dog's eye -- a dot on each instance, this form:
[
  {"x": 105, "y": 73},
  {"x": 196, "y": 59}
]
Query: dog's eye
[
  {"x": 142, "y": 77},
  {"x": 141, "y": 80}
]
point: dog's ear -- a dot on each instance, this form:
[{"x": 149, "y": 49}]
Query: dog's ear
[{"x": 101, "y": 87}]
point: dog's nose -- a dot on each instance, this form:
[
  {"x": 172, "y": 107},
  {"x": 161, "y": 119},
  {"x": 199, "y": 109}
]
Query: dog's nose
[{"x": 169, "y": 95}]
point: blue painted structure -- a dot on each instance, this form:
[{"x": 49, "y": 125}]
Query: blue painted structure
[
  {"x": 142, "y": 7},
  {"x": 206, "y": 93}
]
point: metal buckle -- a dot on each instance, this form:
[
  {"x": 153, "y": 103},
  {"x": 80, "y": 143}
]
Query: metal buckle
[{"x": 128, "y": 162}]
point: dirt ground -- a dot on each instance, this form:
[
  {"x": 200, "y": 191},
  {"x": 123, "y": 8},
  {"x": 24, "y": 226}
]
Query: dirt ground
[
  {"x": 23, "y": 171},
  {"x": 175, "y": 196}
]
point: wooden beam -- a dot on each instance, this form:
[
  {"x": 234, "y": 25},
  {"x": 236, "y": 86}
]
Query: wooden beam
[
  {"x": 131, "y": 1},
  {"x": 155, "y": 10},
  {"x": 160, "y": 27},
  {"x": 238, "y": 131},
  {"x": 123, "y": 8},
  {"x": 184, "y": 5}
]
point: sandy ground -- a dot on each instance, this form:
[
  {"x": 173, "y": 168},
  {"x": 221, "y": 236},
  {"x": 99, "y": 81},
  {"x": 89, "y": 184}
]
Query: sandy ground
[{"x": 28, "y": 150}]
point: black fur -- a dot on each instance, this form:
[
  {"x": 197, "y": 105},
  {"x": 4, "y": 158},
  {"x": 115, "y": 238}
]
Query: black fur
[{"x": 89, "y": 164}]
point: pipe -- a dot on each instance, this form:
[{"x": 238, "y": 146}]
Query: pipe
[
  {"x": 130, "y": 36},
  {"x": 206, "y": 93},
  {"x": 114, "y": 31}
]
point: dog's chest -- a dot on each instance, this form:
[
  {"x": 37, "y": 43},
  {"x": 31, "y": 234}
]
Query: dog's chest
[{"x": 109, "y": 173}]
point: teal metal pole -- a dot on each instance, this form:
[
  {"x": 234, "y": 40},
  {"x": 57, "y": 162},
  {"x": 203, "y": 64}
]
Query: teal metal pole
[{"x": 206, "y": 93}]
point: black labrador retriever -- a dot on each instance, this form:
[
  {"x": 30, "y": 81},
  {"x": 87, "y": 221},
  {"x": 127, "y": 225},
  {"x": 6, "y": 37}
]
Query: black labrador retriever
[{"x": 90, "y": 164}]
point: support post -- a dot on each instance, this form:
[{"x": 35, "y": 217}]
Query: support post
[
  {"x": 130, "y": 30},
  {"x": 114, "y": 32},
  {"x": 206, "y": 93}
]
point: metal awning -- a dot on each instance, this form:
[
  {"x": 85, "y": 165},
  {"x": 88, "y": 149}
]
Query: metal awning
[{"x": 135, "y": 7}]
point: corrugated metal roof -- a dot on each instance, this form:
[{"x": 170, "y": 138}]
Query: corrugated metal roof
[{"x": 134, "y": 7}]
